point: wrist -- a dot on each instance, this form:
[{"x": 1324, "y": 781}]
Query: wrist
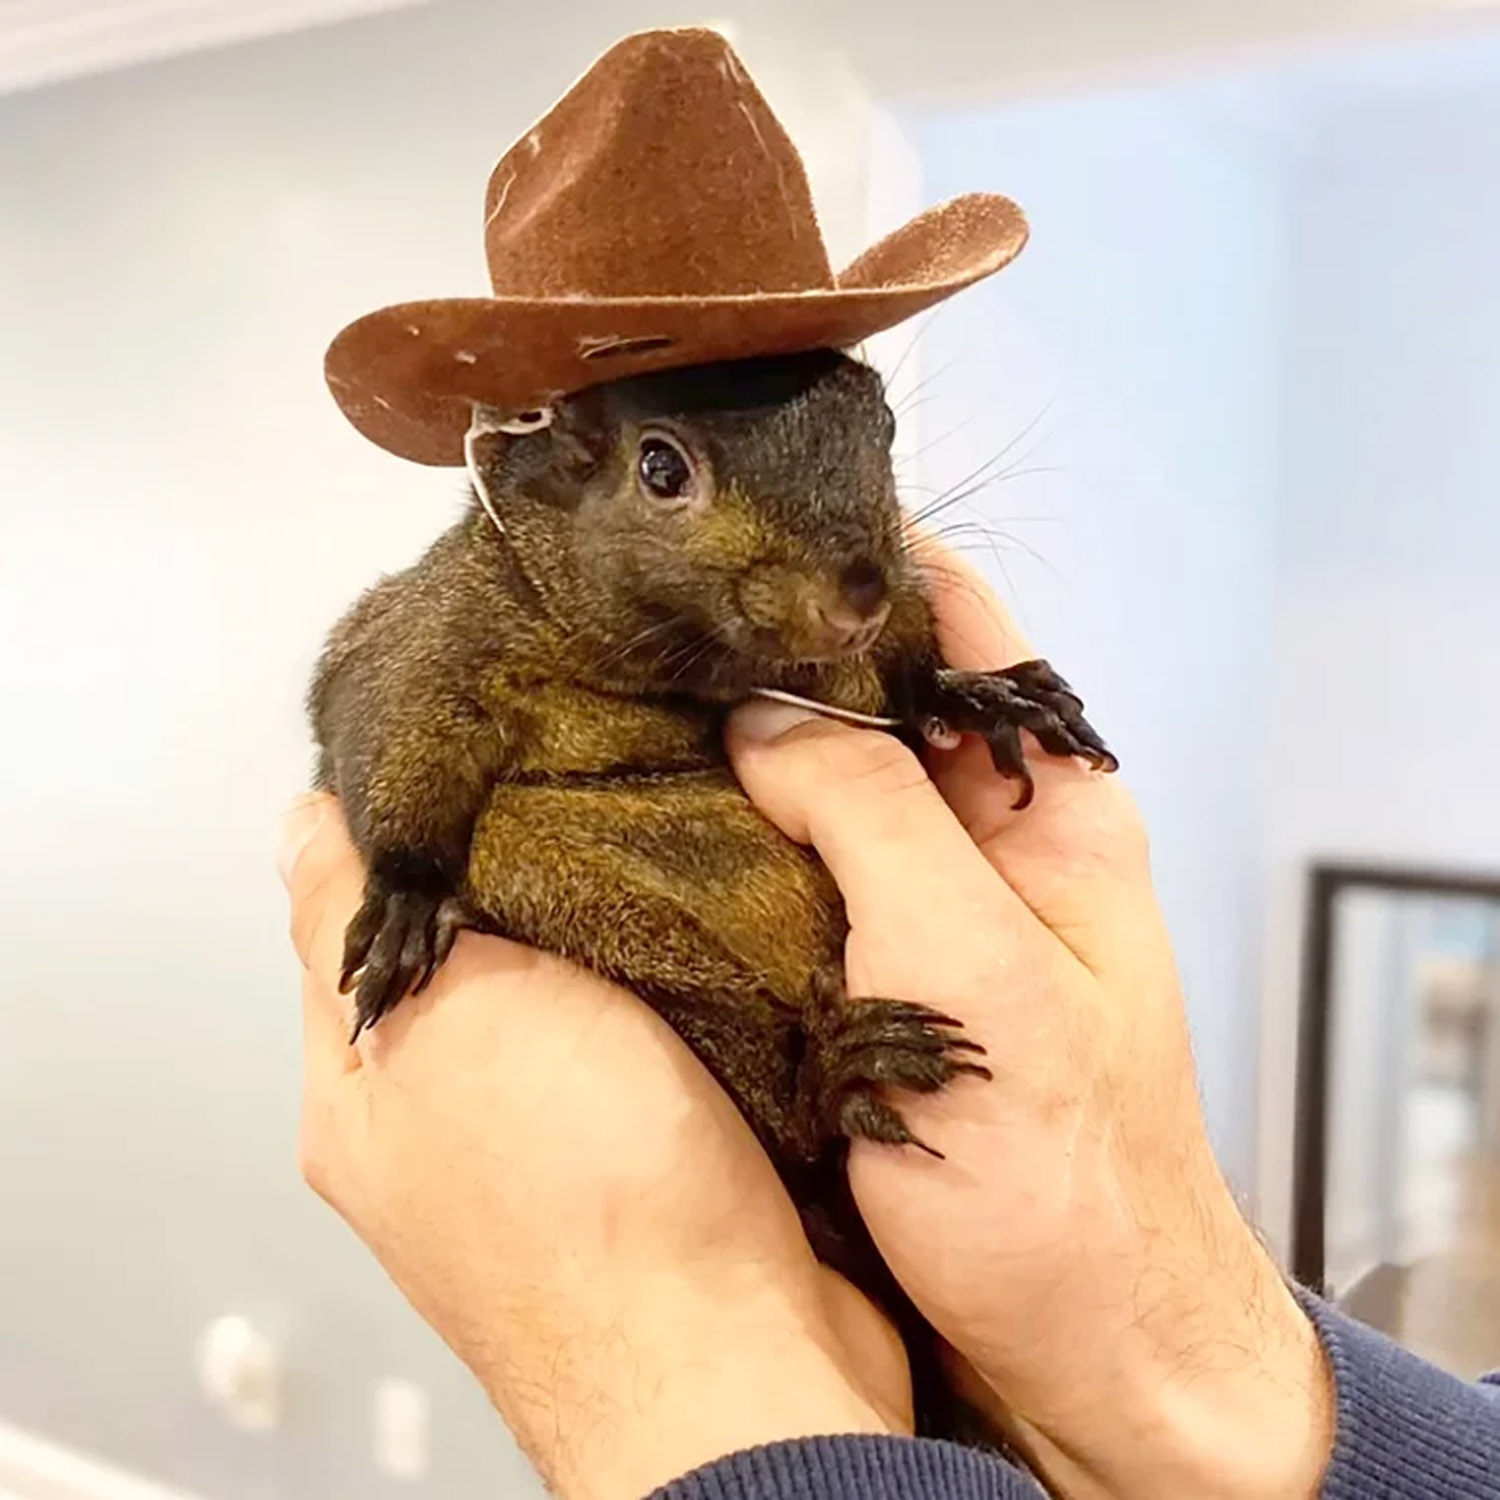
[
  {"x": 1218, "y": 1387},
  {"x": 1242, "y": 1410},
  {"x": 669, "y": 1387}
]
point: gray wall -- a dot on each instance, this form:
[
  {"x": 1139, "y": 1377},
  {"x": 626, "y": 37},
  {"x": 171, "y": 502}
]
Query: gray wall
[
  {"x": 1387, "y": 708},
  {"x": 182, "y": 514},
  {"x": 1140, "y": 331}
]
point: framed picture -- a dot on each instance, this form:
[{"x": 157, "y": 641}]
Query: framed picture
[{"x": 1396, "y": 1192}]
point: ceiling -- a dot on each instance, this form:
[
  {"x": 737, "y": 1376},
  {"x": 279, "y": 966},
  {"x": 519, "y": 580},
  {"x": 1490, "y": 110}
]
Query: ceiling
[
  {"x": 961, "y": 49},
  {"x": 44, "y": 41},
  {"x": 970, "y": 48}
]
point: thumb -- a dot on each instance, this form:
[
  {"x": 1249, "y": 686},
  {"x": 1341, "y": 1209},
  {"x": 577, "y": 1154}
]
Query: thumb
[
  {"x": 865, "y": 803},
  {"x": 324, "y": 878}
]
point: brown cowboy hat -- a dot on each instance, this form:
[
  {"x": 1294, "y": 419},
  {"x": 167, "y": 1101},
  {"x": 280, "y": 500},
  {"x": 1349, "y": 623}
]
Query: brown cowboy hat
[{"x": 658, "y": 216}]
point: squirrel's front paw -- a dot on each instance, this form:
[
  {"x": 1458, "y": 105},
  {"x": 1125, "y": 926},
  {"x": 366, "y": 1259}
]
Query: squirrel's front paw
[
  {"x": 396, "y": 943},
  {"x": 998, "y": 705}
]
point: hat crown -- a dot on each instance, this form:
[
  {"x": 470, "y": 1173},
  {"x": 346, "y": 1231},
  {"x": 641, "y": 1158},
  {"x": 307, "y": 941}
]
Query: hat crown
[{"x": 661, "y": 173}]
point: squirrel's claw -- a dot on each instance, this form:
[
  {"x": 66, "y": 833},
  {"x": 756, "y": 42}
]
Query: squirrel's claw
[
  {"x": 857, "y": 1049},
  {"x": 998, "y": 705},
  {"x": 397, "y": 941}
]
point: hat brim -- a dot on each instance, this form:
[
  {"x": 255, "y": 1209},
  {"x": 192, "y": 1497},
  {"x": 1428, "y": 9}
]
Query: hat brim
[{"x": 409, "y": 376}]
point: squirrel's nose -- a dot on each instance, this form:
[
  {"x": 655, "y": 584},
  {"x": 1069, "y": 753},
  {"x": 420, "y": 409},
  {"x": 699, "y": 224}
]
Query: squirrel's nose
[
  {"x": 863, "y": 586},
  {"x": 855, "y": 616}
]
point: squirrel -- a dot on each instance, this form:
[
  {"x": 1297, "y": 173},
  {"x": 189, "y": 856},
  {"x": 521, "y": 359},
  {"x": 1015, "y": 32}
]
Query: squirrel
[{"x": 525, "y": 731}]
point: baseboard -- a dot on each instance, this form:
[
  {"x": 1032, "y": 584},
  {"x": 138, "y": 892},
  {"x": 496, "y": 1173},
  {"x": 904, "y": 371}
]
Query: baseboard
[{"x": 34, "y": 1468}]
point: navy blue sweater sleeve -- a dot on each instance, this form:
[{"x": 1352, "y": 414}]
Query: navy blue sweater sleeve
[
  {"x": 1406, "y": 1431},
  {"x": 855, "y": 1468}
]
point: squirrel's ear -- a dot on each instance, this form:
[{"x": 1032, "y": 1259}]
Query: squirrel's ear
[
  {"x": 546, "y": 453},
  {"x": 580, "y": 431},
  {"x": 492, "y": 431}
]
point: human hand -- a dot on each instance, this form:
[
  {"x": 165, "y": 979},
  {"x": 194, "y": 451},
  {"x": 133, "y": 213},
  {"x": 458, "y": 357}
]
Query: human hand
[
  {"x": 564, "y": 1193},
  {"x": 1079, "y": 1246}
]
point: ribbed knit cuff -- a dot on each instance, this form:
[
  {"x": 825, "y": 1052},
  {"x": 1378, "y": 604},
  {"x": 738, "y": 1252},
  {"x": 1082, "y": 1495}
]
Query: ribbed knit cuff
[
  {"x": 1406, "y": 1430},
  {"x": 861, "y": 1467}
]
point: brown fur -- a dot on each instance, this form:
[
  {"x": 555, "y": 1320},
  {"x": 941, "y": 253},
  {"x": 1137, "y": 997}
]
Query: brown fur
[{"x": 526, "y": 732}]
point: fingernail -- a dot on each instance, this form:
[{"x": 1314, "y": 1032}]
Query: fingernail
[
  {"x": 298, "y": 828},
  {"x": 761, "y": 720}
]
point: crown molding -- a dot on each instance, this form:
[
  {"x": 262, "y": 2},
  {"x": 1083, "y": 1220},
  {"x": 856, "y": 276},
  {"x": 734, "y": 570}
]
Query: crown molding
[{"x": 47, "y": 41}]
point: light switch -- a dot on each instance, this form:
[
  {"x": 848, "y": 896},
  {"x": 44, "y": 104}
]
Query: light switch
[
  {"x": 239, "y": 1372},
  {"x": 403, "y": 1429}
]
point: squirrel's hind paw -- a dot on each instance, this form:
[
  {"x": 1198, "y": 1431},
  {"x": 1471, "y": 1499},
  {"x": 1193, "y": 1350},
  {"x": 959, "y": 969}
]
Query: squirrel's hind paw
[{"x": 856, "y": 1049}]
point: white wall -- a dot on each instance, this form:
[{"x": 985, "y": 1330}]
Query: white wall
[
  {"x": 1388, "y": 622},
  {"x": 183, "y": 513},
  {"x": 1141, "y": 327}
]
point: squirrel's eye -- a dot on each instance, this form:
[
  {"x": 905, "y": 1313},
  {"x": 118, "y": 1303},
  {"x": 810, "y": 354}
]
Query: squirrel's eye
[{"x": 665, "y": 469}]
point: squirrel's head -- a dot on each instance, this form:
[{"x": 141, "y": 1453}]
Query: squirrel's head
[{"x": 711, "y": 525}]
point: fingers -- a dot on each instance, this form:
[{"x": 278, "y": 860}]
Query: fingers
[
  {"x": 327, "y": 1063},
  {"x": 324, "y": 878},
  {"x": 976, "y": 633},
  {"x": 1072, "y": 803},
  {"x": 866, "y": 804},
  {"x": 975, "y": 630},
  {"x": 1078, "y": 856}
]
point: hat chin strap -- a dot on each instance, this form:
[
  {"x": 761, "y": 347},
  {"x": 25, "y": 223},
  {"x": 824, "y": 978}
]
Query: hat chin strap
[
  {"x": 487, "y": 419},
  {"x": 484, "y": 495},
  {"x": 828, "y": 710},
  {"x": 482, "y": 424}
]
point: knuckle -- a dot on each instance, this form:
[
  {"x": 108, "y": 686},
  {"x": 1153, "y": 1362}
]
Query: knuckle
[
  {"x": 313, "y": 916},
  {"x": 312, "y": 1159},
  {"x": 1098, "y": 829},
  {"x": 324, "y": 886},
  {"x": 1122, "y": 832}
]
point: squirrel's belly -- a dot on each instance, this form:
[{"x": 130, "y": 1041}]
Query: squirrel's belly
[
  {"x": 667, "y": 882},
  {"x": 567, "y": 730}
]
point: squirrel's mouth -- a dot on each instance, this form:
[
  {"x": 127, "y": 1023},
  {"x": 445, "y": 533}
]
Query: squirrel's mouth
[
  {"x": 817, "y": 646},
  {"x": 787, "y": 615},
  {"x": 730, "y": 657}
]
